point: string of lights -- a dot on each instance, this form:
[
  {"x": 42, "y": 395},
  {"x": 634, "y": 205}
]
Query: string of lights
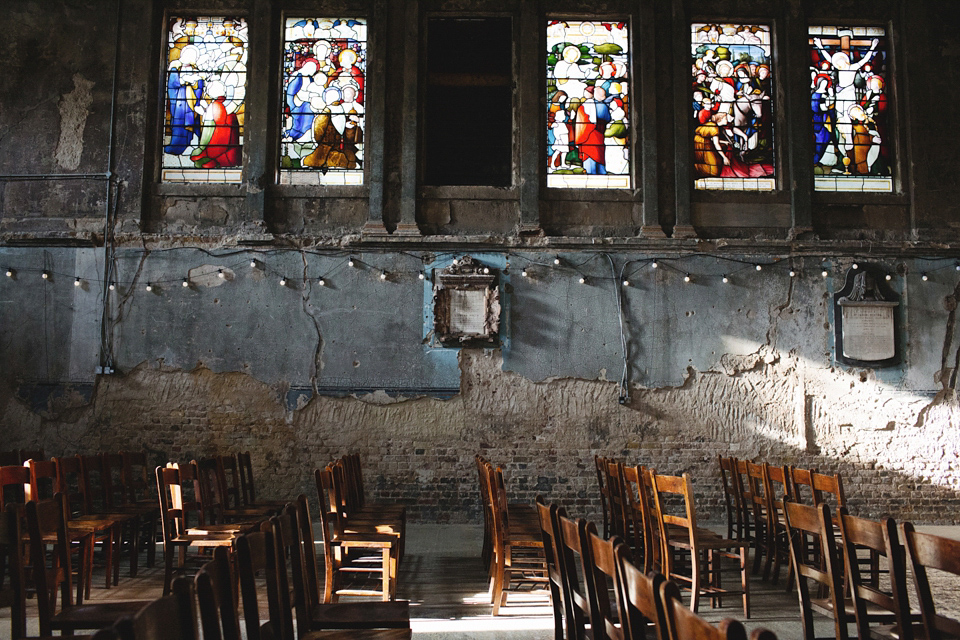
[{"x": 529, "y": 267}]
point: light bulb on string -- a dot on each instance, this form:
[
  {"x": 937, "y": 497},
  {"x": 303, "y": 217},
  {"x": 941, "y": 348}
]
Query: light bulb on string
[
  {"x": 759, "y": 267},
  {"x": 76, "y": 282},
  {"x": 924, "y": 277},
  {"x": 888, "y": 277},
  {"x": 855, "y": 266},
  {"x": 654, "y": 264},
  {"x": 793, "y": 273},
  {"x": 149, "y": 286},
  {"x": 9, "y": 272},
  {"x": 825, "y": 273},
  {"x": 185, "y": 283},
  {"x": 725, "y": 279},
  {"x": 383, "y": 275},
  {"x": 221, "y": 274},
  {"x": 112, "y": 286},
  {"x": 321, "y": 282},
  {"x": 626, "y": 282},
  {"x": 556, "y": 260},
  {"x": 422, "y": 276},
  {"x": 283, "y": 281},
  {"x": 583, "y": 280},
  {"x": 45, "y": 275},
  {"x": 958, "y": 266},
  {"x": 486, "y": 270},
  {"x": 253, "y": 264},
  {"x": 351, "y": 262},
  {"x": 524, "y": 273},
  {"x": 687, "y": 278}
]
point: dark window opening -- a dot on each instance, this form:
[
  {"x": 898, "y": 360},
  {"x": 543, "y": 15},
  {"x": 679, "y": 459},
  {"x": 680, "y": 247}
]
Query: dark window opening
[{"x": 468, "y": 114}]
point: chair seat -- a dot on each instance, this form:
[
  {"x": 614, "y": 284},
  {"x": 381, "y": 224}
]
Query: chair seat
[
  {"x": 394, "y": 614},
  {"x": 94, "y": 616}
]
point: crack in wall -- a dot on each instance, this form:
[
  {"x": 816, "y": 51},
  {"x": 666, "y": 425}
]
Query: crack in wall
[{"x": 308, "y": 309}]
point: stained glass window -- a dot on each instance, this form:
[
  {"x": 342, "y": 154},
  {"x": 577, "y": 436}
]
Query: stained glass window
[
  {"x": 324, "y": 69},
  {"x": 206, "y": 82},
  {"x": 732, "y": 107},
  {"x": 848, "y": 85},
  {"x": 588, "y": 126}
]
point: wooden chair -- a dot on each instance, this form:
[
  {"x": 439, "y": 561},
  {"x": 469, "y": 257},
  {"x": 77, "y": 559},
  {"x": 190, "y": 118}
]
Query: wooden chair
[
  {"x": 809, "y": 527},
  {"x": 172, "y": 617},
  {"x": 571, "y": 559},
  {"x": 341, "y": 545},
  {"x": 486, "y": 506},
  {"x": 731, "y": 497},
  {"x": 45, "y": 521},
  {"x": 642, "y": 613},
  {"x": 924, "y": 552},
  {"x": 354, "y": 519},
  {"x": 763, "y": 542},
  {"x": 177, "y": 535},
  {"x": 684, "y": 624},
  {"x": 548, "y": 531},
  {"x": 217, "y": 507},
  {"x": 95, "y": 477},
  {"x": 801, "y": 486},
  {"x": 777, "y": 483},
  {"x": 121, "y": 498},
  {"x": 600, "y": 463},
  {"x": 631, "y": 482},
  {"x": 12, "y": 582},
  {"x": 216, "y": 598},
  {"x": 613, "y": 479},
  {"x": 750, "y": 512},
  {"x": 871, "y": 603},
  {"x": 517, "y": 548},
  {"x": 704, "y": 578},
  {"x": 248, "y": 489},
  {"x": 606, "y": 623}
]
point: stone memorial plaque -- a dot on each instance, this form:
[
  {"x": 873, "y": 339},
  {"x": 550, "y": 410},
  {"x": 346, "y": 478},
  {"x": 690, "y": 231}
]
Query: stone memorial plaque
[
  {"x": 868, "y": 332},
  {"x": 865, "y": 318},
  {"x": 466, "y": 305}
]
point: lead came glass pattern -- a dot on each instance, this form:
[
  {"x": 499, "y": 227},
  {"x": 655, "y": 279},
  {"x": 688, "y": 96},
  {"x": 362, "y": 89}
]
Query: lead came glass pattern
[
  {"x": 848, "y": 100},
  {"x": 324, "y": 69},
  {"x": 206, "y": 81},
  {"x": 732, "y": 107},
  {"x": 588, "y": 128}
]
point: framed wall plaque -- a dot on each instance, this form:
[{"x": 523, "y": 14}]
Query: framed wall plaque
[
  {"x": 466, "y": 305},
  {"x": 867, "y": 320}
]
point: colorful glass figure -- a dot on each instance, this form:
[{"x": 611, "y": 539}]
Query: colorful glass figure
[
  {"x": 848, "y": 99},
  {"x": 732, "y": 107},
  {"x": 324, "y": 72},
  {"x": 588, "y": 125},
  {"x": 206, "y": 83}
]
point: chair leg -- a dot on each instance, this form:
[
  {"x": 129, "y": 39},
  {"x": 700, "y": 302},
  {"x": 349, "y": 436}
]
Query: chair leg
[
  {"x": 694, "y": 581},
  {"x": 168, "y": 568},
  {"x": 745, "y": 581},
  {"x": 387, "y": 569}
]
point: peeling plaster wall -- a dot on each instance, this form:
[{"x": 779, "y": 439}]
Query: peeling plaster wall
[{"x": 236, "y": 362}]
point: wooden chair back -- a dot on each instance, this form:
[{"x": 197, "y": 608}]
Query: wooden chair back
[
  {"x": 548, "y": 530},
  {"x": 70, "y": 484},
  {"x": 603, "y": 582},
  {"x": 248, "y": 487},
  {"x": 96, "y": 485},
  {"x": 311, "y": 569},
  {"x": 14, "y": 485},
  {"x": 641, "y": 610},
  {"x": 137, "y": 476},
  {"x": 924, "y": 552},
  {"x": 212, "y": 487},
  {"x": 12, "y": 581},
  {"x": 116, "y": 491},
  {"x": 684, "y": 624},
  {"x": 51, "y": 567},
  {"x": 254, "y": 550},
  {"x": 731, "y": 497},
  {"x": 191, "y": 491},
  {"x": 169, "y": 488},
  {"x": 801, "y": 484},
  {"x": 881, "y": 539},
  {"x": 43, "y": 479},
  {"x": 631, "y": 482},
  {"x": 572, "y": 560},
  {"x": 812, "y": 527},
  {"x": 600, "y": 463},
  {"x": 285, "y": 570},
  {"x": 172, "y": 617},
  {"x": 232, "y": 489},
  {"x": 214, "y": 586},
  {"x": 829, "y": 488},
  {"x": 617, "y": 502}
]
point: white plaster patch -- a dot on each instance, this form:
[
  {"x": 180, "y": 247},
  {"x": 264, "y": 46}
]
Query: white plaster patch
[{"x": 74, "y": 110}]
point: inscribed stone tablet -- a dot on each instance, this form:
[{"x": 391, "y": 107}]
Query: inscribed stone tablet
[{"x": 868, "y": 332}]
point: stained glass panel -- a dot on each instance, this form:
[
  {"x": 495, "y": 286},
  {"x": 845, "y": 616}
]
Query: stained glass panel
[
  {"x": 732, "y": 107},
  {"x": 206, "y": 83},
  {"x": 324, "y": 69},
  {"x": 588, "y": 128},
  {"x": 848, "y": 100}
]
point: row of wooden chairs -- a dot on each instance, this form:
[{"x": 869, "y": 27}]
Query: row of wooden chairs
[
  {"x": 358, "y": 538},
  {"x": 513, "y": 548},
  {"x": 599, "y": 593},
  {"x": 753, "y": 496},
  {"x": 656, "y": 515},
  {"x": 880, "y": 611}
]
